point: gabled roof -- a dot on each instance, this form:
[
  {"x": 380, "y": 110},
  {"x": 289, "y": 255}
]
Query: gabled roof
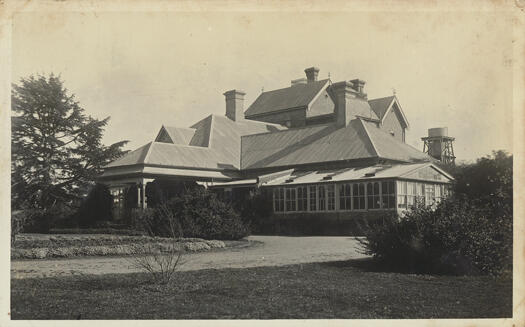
[
  {"x": 175, "y": 135},
  {"x": 382, "y": 106},
  {"x": 295, "y": 96},
  {"x": 324, "y": 143}
]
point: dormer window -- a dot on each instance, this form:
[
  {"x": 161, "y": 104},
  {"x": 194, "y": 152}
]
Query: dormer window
[{"x": 392, "y": 133}]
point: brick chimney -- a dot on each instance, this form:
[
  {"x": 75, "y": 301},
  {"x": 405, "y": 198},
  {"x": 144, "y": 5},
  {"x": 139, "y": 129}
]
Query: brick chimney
[
  {"x": 344, "y": 93},
  {"x": 235, "y": 104},
  {"x": 358, "y": 86},
  {"x": 311, "y": 74}
]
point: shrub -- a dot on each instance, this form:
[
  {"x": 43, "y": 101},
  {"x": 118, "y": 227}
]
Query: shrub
[
  {"x": 460, "y": 236},
  {"x": 255, "y": 210},
  {"x": 96, "y": 207},
  {"x": 42, "y": 220},
  {"x": 196, "y": 213}
]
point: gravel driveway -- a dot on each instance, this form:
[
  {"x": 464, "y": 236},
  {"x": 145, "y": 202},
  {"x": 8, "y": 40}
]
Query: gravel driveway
[{"x": 273, "y": 251}]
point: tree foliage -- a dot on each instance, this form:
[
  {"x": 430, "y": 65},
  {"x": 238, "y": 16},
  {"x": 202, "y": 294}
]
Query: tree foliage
[
  {"x": 490, "y": 175},
  {"x": 57, "y": 149}
]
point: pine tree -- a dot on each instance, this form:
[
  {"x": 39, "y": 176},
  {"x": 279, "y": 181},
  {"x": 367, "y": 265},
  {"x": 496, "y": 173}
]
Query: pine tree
[{"x": 57, "y": 149}]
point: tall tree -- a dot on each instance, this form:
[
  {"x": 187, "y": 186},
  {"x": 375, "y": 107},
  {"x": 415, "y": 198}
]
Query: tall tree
[{"x": 57, "y": 149}]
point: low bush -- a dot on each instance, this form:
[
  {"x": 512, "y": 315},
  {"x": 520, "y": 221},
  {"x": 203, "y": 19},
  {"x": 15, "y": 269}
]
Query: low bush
[
  {"x": 196, "y": 213},
  {"x": 104, "y": 230},
  {"x": 459, "y": 236},
  {"x": 42, "y": 220}
]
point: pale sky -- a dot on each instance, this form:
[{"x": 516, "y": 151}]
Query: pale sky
[{"x": 149, "y": 69}]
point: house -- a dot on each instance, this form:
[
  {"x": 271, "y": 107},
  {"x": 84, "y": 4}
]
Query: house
[{"x": 315, "y": 147}]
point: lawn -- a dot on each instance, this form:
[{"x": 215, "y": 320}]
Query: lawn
[{"x": 345, "y": 290}]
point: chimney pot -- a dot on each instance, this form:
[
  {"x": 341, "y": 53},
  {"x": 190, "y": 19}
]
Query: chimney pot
[
  {"x": 358, "y": 85},
  {"x": 311, "y": 74},
  {"x": 235, "y": 104},
  {"x": 299, "y": 81}
]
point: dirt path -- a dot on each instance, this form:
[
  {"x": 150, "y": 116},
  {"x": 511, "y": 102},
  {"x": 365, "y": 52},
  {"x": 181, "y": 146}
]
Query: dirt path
[{"x": 274, "y": 251}]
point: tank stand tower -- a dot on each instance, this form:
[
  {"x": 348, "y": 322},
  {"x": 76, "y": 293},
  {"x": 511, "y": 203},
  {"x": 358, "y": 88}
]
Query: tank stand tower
[{"x": 439, "y": 145}]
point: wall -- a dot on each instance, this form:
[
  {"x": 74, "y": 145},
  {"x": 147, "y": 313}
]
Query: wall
[
  {"x": 393, "y": 123},
  {"x": 325, "y": 223},
  {"x": 321, "y": 106},
  {"x": 297, "y": 117}
]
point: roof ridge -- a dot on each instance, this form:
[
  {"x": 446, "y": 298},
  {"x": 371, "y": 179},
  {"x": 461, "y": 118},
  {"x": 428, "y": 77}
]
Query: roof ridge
[
  {"x": 210, "y": 138},
  {"x": 180, "y": 145},
  {"x": 390, "y": 96},
  {"x": 179, "y": 127},
  {"x": 369, "y": 137},
  {"x": 148, "y": 151},
  {"x": 290, "y": 129},
  {"x": 265, "y": 123},
  {"x": 287, "y": 87},
  {"x": 325, "y": 86}
]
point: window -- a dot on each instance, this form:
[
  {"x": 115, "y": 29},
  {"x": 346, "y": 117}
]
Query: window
[
  {"x": 388, "y": 195},
  {"x": 411, "y": 194},
  {"x": 302, "y": 198},
  {"x": 345, "y": 197},
  {"x": 313, "y": 198},
  {"x": 330, "y": 191},
  {"x": 373, "y": 196},
  {"x": 401, "y": 194},
  {"x": 438, "y": 191},
  {"x": 447, "y": 190},
  {"x": 358, "y": 196},
  {"x": 420, "y": 193},
  {"x": 322, "y": 197},
  {"x": 429, "y": 194},
  {"x": 118, "y": 197},
  {"x": 291, "y": 200},
  {"x": 278, "y": 199}
]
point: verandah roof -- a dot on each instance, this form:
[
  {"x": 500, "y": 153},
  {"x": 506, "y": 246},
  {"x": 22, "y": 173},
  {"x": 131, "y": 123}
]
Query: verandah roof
[{"x": 420, "y": 171}]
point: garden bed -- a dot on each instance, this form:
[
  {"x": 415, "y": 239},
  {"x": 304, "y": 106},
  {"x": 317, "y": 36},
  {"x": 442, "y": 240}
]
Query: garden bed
[{"x": 41, "y": 246}]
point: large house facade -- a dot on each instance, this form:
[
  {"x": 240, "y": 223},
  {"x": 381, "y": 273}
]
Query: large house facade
[{"x": 315, "y": 147}]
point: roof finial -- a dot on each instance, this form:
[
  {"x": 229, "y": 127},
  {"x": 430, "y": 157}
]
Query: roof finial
[
  {"x": 393, "y": 91},
  {"x": 329, "y": 79},
  {"x": 262, "y": 89}
]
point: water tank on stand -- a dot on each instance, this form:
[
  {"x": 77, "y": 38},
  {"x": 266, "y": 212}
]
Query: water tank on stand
[{"x": 439, "y": 145}]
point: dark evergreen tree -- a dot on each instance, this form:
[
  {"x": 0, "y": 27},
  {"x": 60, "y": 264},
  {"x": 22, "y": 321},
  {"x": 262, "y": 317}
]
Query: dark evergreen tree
[{"x": 57, "y": 149}]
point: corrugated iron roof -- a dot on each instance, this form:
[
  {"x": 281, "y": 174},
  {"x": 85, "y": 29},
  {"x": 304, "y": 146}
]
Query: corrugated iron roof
[
  {"x": 216, "y": 144},
  {"x": 299, "y": 95},
  {"x": 360, "y": 107},
  {"x": 131, "y": 158},
  {"x": 381, "y": 105},
  {"x": 388, "y": 147},
  {"x": 349, "y": 174},
  {"x": 313, "y": 144},
  {"x": 180, "y": 135}
]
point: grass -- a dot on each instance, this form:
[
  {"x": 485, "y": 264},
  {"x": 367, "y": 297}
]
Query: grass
[{"x": 344, "y": 290}]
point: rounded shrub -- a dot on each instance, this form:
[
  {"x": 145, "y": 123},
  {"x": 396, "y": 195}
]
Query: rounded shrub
[{"x": 458, "y": 236}]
